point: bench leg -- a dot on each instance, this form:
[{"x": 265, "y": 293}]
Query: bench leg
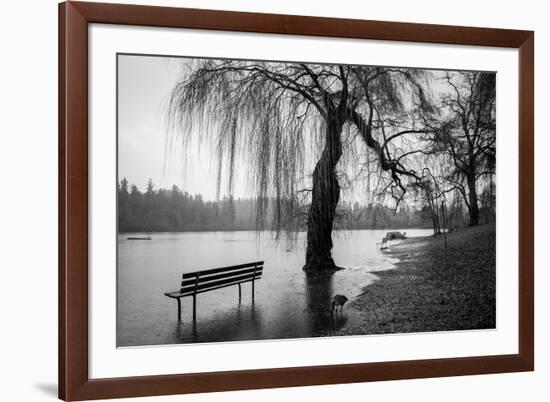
[
  {"x": 239, "y": 291},
  {"x": 179, "y": 309},
  {"x": 194, "y": 308},
  {"x": 253, "y": 288}
]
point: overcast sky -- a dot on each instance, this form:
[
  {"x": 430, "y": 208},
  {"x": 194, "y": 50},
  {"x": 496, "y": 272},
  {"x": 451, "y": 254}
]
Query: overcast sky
[{"x": 144, "y": 86}]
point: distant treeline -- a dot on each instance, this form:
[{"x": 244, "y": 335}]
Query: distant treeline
[
  {"x": 376, "y": 216},
  {"x": 173, "y": 210}
]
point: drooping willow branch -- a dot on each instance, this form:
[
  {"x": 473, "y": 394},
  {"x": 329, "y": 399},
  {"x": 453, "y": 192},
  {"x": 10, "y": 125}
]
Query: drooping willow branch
[{"x": 274, "y": 114}]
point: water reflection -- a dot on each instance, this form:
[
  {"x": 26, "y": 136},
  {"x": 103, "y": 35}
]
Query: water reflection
[
  {"x": 318, "y": 299},
  {"x": 287, "y": 303},
  {"x": 239, "y": 323}
]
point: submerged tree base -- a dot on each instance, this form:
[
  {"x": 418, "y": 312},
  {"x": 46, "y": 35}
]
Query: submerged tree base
[{"x": 321, "y": 267}]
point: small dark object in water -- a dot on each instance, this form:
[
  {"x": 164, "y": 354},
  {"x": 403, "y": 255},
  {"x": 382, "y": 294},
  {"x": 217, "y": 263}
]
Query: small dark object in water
[
  {"x": 338, "y": 301},
  {"x": 138, "y": 238}
]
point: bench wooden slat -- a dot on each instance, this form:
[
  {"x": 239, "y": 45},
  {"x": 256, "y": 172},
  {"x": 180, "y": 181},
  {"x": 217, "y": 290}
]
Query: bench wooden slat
[
  {"x": 203, "y": 279},
  {"x": 175, "y": 294},
  {"x": 178, "y": 293},
  {"x": 221, "y": 269},
  {"x": 207, "y": 285}
]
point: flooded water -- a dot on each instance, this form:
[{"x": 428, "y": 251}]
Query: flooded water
[{"x": 287, "y": 304}]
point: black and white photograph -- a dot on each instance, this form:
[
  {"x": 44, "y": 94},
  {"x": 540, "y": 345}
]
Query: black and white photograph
[
  {"x": 263, "y": 200},
  {"x": 243, "y": 201}
]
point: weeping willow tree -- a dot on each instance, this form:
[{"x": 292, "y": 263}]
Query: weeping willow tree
[{"x": 274, "y": 114}]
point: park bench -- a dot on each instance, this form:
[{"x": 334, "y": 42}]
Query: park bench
[{"x": 194, "y": 283}]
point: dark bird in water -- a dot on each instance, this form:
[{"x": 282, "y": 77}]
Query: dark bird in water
[{"x": 338, "y": 301}]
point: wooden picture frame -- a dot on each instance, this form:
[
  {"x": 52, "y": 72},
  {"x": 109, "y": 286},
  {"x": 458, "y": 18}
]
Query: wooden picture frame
[{"x": 74, "y": 381}]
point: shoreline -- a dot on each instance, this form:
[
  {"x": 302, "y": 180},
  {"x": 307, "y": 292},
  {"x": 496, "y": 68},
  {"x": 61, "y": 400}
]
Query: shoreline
[
  {"x": 431, "y": 288},
  {"x": 265, "y": 230}
]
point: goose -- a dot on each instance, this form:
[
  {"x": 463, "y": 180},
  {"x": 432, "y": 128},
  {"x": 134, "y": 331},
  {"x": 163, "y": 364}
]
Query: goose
[{"x": 338, "y": 301}]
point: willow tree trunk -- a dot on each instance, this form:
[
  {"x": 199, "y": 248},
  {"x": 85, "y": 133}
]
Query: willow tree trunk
[
  {"x": 472, "y": 198},
  {"x": 325, "y": 196}
]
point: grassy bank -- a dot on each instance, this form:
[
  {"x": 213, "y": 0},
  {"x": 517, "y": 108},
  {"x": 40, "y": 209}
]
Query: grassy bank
[{"x": 432, "y": 288}]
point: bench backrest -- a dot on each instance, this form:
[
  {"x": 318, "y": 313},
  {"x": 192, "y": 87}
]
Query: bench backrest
[{"x": 211, "y": 279}]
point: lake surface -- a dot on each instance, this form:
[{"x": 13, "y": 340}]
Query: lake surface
[{"x": 287, "y": 303}]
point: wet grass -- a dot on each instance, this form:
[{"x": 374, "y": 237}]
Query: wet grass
[{"x": 432, "y": 288}]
